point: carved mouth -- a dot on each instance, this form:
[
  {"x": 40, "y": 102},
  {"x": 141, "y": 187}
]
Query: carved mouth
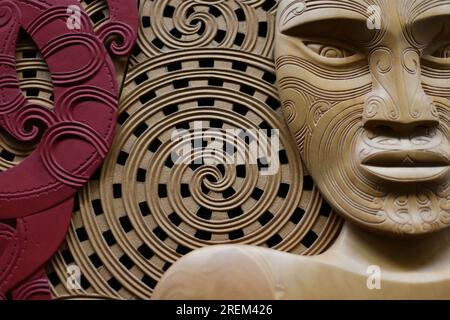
[{"x": 407, "y": 166}]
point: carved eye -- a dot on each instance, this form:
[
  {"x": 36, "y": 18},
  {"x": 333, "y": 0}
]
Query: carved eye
[
  {"x": 439, "y": 58},
  {"x": 328, "y": 51},
  {"x": 443, "y": 52}
]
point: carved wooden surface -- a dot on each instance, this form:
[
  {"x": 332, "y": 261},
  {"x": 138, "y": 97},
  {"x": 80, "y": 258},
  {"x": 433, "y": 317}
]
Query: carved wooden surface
[
  {"x": 364, "y": 89},
  {"x": 370, "y": 109},
  {"x": 196, "y": 61},
  {"x": 36, "y": 195}
]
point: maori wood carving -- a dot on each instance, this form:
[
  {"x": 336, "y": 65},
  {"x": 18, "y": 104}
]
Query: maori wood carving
[
  {"x": 195, "y": 60},
  {"x": 370, "y": 109},
  {"x": 36, "y": 196}
]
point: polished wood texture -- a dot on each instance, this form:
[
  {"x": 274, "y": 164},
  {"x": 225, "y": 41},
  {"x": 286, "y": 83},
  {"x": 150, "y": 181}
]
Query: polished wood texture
[
  {"x": 368, "y": 108},
  {"x": 207, "y": 61}
]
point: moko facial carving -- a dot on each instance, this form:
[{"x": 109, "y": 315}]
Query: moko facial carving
[{"x": 366, "y": 94}]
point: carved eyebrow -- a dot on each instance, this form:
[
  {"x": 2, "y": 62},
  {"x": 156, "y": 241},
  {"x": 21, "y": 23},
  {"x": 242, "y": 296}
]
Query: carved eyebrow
[
  {"x": 289, "y": 19},
  {"x": 339, "y": 24},
  {"x": 429, "y": 24},
  {"x": 431, "y": 11}
]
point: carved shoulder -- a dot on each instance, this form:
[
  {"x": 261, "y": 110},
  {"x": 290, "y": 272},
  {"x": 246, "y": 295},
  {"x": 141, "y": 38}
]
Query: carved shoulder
[{"x": 220, "y": 272}]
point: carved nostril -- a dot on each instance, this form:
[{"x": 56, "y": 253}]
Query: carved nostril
[
  {"x": 380, "y": 130},
  {"x": 403, "y": 122},
  {"x": 404, "y": 118},
  {"x": 393, "y": 128},
  {"x": 403, "y": 107}
]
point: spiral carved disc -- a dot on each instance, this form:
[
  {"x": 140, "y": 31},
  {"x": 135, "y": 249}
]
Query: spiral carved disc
[{"x": 142, "y": 211}]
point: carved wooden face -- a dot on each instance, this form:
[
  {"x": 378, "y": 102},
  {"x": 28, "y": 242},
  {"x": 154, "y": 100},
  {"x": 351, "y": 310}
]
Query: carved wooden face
[{"x": 365, "y": 87}]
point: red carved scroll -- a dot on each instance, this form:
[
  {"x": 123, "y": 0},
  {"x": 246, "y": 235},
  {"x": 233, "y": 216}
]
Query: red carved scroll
[{"x": 37, "y": 195}]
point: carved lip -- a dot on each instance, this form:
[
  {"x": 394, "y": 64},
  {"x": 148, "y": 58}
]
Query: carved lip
[
  {"x": 406, "y": 159},
  {"x": 407, "y": 165}
]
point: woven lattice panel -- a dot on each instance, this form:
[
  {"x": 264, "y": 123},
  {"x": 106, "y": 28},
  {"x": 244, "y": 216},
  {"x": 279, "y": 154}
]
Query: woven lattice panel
[{"x": 197, "y": 63}]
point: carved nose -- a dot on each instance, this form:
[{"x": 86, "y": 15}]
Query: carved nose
[
  {"x": 381, "y": 111},
  {"x": 398, "y": 100},
  {"x": 400, "y": 105}
]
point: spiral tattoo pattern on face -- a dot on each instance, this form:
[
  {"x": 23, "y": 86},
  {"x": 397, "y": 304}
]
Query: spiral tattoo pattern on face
[
  {"x": 369, "y": 108},
  {"x": 141, "y": 212}
]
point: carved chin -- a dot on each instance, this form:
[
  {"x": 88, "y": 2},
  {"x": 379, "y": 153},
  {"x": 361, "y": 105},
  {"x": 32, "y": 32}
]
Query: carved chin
[{"x": 399, "y": 189}]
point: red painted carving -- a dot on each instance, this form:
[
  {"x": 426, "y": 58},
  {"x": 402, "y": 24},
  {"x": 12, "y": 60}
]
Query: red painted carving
[{"x": 36, "y": 197}]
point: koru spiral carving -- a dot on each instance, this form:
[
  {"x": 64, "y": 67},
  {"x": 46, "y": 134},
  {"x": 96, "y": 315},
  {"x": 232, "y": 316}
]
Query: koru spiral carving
[
  {"x": 195, "y": 61},
  {"x": 36, "y": 196}
]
